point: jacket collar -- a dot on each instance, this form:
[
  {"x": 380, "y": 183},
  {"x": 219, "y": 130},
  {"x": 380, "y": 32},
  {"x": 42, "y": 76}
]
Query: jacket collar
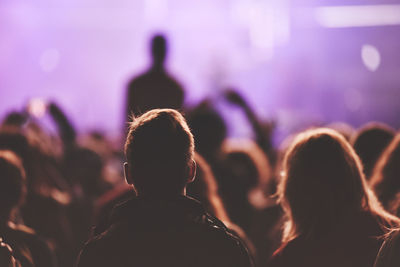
[{"x": 140, "y": 207}]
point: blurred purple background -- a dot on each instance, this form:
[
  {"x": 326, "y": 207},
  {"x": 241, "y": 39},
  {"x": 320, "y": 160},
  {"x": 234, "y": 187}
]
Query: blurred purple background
[{"x": 297, "y": 62}]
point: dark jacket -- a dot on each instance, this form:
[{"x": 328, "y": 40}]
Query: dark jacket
[{"x": 175, "y": 232}]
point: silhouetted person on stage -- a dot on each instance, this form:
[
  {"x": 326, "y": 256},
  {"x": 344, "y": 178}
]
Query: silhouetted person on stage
[
  {"x": 161, "y": 226},
  {"x": 155, "y": 88}
]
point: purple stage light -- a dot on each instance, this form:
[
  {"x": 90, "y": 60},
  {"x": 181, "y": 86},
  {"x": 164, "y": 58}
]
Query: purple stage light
[{"x": 295, "y": 61}]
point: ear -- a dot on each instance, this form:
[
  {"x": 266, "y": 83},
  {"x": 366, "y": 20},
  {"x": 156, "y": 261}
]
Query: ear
[
  {"x": 192, "y": 172},
  {"x": 127, "y": 173}
]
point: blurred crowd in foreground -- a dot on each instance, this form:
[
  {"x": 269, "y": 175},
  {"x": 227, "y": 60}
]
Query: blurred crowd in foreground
[{"x": 190, "y": 196}]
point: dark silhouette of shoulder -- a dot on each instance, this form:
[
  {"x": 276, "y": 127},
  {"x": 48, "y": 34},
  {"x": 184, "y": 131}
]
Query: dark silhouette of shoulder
[
  {"x": 168, "y": 233},
  {"x": 28, "y": 247}
]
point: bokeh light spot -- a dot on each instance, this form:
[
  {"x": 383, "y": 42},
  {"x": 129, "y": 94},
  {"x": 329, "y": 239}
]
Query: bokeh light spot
[{"x": 370, "y": 57}]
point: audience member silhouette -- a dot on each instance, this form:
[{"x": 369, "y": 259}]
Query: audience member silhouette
[
  {"x": 83, "y": 171},
  {"x": 209, "y": 130},
  {"x": 369, "y": 143},
  {"x": 385, "y": 179},
  {"x": 248, "y": 188},
  {"x": 48, "y": 194},
  {"x": 205, "y": 189},
  {"x": 28, "y": 248},
  {"x": 243, "y": 172},
  {"x": 333, "y": 218},
  {"x": 155, "y": 88},
  {"x": 161, "y": 226}
]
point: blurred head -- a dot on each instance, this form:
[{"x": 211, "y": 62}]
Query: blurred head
[
  {"x": 369, "y": 143},
  {"x": 12, "y": 182},
  {"x": 159, "y": 49},
  {"x": 322, "y": 184},
  {"x": 251, "y": 172},
  {"x": 14, "y": 119},
  {"x": 209, "y": 130},
  {"x": 84, "y": 167},
  {"x": 159, "y": 151},
  {"x": 16, "y": 142},
  {"x": 386, "y": 177}
]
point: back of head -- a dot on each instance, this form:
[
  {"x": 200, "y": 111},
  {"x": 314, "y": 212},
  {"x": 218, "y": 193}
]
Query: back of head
[
  {"x": 322, "y": 182},
  {"x": 159, "y": 150},
  {"x": 208, "y": 128},
  {"x": 84, "y": 166},
  {"x": 12, "y": 182},
  {"x": 370, "y": 142},
  {"x": 385, "y": 179},
  {"x": 159, "y": 49}
]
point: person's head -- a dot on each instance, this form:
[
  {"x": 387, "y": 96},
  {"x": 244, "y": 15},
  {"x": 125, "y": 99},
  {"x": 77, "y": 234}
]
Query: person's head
[
  {"x": 16, "y": 142},
  {"x": 209, "y": 130},
  {"x": 369, "y": 143},
  {"x": 84, "y": 167},
  {"x": 386, "y": 176},
  {"x": 323, "y": 185},
  {"x": 159, "y": 150},
  {"x": 12, "y": 183},
  {"x": 251, "y": 171},
  {"x": 159, "y": 49}
]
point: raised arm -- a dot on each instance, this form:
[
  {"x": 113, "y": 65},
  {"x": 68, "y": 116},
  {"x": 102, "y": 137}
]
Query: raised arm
[{"x": 262, "y": 131}]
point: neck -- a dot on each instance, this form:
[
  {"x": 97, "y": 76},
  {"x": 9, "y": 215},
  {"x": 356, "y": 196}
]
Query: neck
[{"x": 158, "y": 66}]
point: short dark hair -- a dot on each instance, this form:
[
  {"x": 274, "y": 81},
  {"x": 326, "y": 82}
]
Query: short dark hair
[
  {"x": 12, "y": 181},
  {"x": 159, "y": 150}
]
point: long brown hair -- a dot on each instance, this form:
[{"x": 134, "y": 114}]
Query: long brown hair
[
  {"x": 205, "y": 189},
  {"x": 322, "y": 184}
]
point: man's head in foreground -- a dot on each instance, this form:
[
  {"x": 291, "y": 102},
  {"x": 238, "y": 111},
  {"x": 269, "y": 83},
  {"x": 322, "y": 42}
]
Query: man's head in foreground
[{"x": 159, "y": 150}]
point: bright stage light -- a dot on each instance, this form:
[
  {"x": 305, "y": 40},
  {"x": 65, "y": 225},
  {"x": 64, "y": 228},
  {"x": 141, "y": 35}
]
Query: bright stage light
[
  {"x": 370, "y": 57},
  {"x": 357, "y": 16}
]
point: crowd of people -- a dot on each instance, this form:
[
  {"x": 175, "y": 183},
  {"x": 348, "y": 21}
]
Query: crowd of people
[{"x": 181, "y": 193}]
